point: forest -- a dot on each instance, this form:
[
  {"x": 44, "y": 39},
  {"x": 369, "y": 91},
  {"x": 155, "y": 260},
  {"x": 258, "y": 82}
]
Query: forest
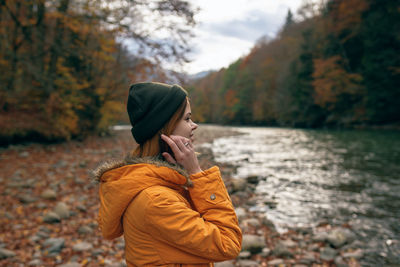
[
  {"x": 66, "y": 66},
  {"x": 336, "y": 66}
]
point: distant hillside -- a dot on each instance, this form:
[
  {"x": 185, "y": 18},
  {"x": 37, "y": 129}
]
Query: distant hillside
[{"x": 338, "y": 67}]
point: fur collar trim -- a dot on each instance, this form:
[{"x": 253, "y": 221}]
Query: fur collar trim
[{"x": 157, "y": 161}]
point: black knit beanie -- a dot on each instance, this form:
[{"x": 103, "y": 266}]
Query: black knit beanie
[{"x": 150, "y": 106}]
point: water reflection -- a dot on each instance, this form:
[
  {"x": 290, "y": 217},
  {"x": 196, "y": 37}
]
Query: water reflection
[{"x": 339, "y": 176}]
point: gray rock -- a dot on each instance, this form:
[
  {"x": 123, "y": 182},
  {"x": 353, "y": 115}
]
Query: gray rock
[
  {"x": 62, "y": 210},
  {"x": 35, "y": 238},
  {"x": 240, "y": 213},
  {"x": 339, "y": 237},
  {"x": 356, "y": 254},
  {"x": 60, "y": 164},
  {"x": 244, "y": 255},
  {"x": 253, "y": 243},
  {"x": 265, "y": 252},
  {"x": 281, "y": 250},
  {"x": 24, "y": 154},
  {"x": 97, "y": 251},
  {"x": 51, "y": 217},
  {"x": 313, "y": 247},
  {"x": 328, "y": 254},
  {"x": 288, "y": 243},
  {"x": 35, "y": 262},
  {"x": 81, "y": 207},
  {"x": 26, "y": 199},
  {"x": 252, "y": 222},
  {"x": 340, "y": 262},
  {"x": 248, "y": 263},
  {"x": 267, "y": 222},
  {"x": 5, "y": 253},
  {"x": 41, "y": 205},
  {"x": 238, "y": 185},
  {"x": 276, "y": 262},
  {"x": 224, "y": 264},
  {"x": 49, "y": 194},
  {"x": 83, "y": 230},
  {"x": 82, "y": 246},
  {"x": 308, "y": 258},
  {"x": 70, "y": 264},
  {"x": 54, "y": 245},
  {"x": 320, "y": 237}
]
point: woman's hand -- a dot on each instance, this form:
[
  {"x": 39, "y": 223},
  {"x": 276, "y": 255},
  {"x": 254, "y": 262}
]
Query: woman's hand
[{"x": 183, "y": 152}]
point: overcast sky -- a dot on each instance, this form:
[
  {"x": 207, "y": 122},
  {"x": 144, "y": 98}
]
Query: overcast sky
[{"x": 228, "y": 29}]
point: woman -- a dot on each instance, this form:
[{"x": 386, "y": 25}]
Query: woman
[{"x": 170, "y": 212}]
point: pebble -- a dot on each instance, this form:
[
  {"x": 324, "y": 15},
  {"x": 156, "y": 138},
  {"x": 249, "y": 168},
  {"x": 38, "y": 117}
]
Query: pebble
[
  {"x": 320, "y": 237},
  {"x": 224, "y": 264},
  {"x": 83, "y": 230},
  {"x": 97, "y": 251},
  {"x": 356, "y": 254},
  {"x": 244, "y": 254},
  {"x": 281, "y": 250},
  {"x": 82, "y": 246},
  {"x": 288, "y": 243},
  {"x": 238, "y": 185},
  {"x": 41, "y": 205},
  {"x": 252, "y": 222},
  {"x": 248, "y": 263},
  {"x": 5, "y": 253},
  {"x": 240, "y": 213},
  {"x": 49, "y": 194},
  {"x": 267, "y": 222},
  {"x": 265, "y": 252},
  {"x": 253, "y": 243},
  {"x": 70, "y": 264},
  {"x": 54, "y": 245},
  {"x": 62, "y": 210},
  {"x": 51, "y": 217},
  {"x": 26, "y": 199},
  {"x": 35, "y": 262},
  {"x": 24, "y": 154},
  {"x": 327, "y": 254},
  {"x": 308, "y": 258},
  {"x": 339, "y": 237},
  {"x": 340, "y": 262},
  {"x": 275, "y": 262}
]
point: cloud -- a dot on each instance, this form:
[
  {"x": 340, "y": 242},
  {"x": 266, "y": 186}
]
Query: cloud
[{"x": 250, "y": 28}]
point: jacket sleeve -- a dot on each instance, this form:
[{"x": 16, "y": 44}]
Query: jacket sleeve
[{"x": 212, "y": 232}]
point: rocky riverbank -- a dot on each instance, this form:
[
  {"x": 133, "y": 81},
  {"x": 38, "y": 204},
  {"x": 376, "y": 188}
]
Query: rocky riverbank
[
  {"x": 263, "y": 245},
  {"x": 49, "y": 210}
]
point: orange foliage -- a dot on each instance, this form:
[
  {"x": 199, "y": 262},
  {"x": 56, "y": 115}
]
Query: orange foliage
[{"x": 331, "y": 80}]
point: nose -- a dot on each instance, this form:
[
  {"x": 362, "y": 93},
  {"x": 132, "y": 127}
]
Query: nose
[{"x": 194, "y": 126}]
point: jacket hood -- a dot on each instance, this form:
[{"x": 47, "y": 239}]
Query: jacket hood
[{"x": 122, "y": 180}]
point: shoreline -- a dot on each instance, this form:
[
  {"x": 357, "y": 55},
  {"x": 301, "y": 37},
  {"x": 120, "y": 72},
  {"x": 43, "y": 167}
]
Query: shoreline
[
  {"x": 50, "y": 210},
  {"x": 263, "y": 245}
]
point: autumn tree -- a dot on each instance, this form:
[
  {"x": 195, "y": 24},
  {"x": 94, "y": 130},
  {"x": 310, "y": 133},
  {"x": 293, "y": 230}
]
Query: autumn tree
[{"x": 65, "y": 65}]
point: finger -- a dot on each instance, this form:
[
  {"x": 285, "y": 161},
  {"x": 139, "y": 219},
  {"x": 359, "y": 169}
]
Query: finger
[
  {"x": 186, "y": 141},
  {"x": 171, "y": 144},
  {"x": 180, "y": 142},
  {"x": 169, "y": 158}
]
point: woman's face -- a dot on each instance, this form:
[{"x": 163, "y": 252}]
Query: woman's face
[{"x": 186, "y": 126}]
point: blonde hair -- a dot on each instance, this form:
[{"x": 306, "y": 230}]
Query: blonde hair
[{"x": 155, "y": 145}]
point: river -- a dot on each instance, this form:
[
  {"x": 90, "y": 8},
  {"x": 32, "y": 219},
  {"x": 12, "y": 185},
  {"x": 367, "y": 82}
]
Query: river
[{"x": 341, "y": 177}]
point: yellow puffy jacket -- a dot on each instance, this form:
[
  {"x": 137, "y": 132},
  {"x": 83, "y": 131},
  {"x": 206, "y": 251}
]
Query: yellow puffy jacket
[{"x": 167, "y": 218}]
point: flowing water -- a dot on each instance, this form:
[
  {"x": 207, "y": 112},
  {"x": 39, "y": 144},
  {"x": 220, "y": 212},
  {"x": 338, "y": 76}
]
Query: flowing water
[{"x": 341, "y": 177}]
